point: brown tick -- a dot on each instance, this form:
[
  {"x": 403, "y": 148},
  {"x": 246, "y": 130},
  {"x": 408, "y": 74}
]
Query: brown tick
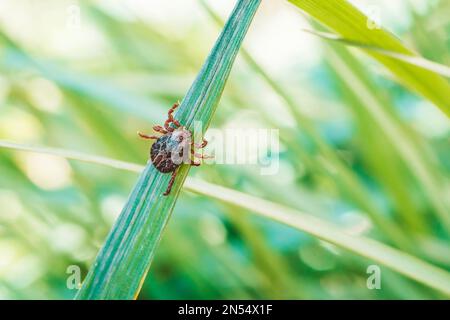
[{"x": 168, "y": 151}]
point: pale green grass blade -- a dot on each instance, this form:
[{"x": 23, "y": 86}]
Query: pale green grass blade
[
  {"x": 75, "y": 155},
  {"x": 397, "y": 260},
  {"x": 350, "y": 23},
  {"x": 411, "y": 59},
  {"x": 123, "y": 262}
]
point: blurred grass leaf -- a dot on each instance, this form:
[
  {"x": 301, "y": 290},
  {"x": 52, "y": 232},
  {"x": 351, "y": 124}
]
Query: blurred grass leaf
[
  {"x": 356, "y": 191},
  {"x": 404, "y": 144},
  {"x": 350, "y": 23},
  {"x": 14, "y": 58},
  {"x": 397, "y": 260},
  {"x": 122, "y": 264},
  {"x": 411, "y": 59},
  {"x": 338, "y": 161}
]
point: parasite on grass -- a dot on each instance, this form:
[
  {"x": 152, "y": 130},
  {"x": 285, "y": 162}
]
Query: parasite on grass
[{"x": 174, "y": 147}]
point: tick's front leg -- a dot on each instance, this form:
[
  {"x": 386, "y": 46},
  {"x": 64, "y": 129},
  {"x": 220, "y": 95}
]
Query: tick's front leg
[
  {"x": 160, "y": 129},
  {"x": 147, "y": 137},
  {"x": 170, "y": 118}
]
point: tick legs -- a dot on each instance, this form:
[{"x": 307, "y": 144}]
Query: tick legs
[
  {"x": 201, "y": 145},
  {"x": 195, "y": 155},
  {"x": 172, "y": 180},
  {"x": 147, "y": 137},
  {"x": 160, "y": 129},
  {"x": 157, "y": 129},
  {"x": 171, "y": 119},
  {"x": 202, "y": 156}
]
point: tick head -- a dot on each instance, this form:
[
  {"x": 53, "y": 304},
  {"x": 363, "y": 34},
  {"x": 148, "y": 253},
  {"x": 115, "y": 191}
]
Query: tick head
[
  {"x": 181, "y": 134},
  {"x": 179, "y": 145}
]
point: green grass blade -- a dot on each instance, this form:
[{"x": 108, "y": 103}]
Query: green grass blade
[
  {"x": 75, "y": 155},
  {"x": 414, "y": 60},
  {"x": 397, "y": 260},
  {"x": 123, "y": 262},
  {"x": 350, "y": 23}
]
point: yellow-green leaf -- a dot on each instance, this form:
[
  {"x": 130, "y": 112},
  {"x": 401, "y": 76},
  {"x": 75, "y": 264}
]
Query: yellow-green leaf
[{"x": 350, "y": 23}]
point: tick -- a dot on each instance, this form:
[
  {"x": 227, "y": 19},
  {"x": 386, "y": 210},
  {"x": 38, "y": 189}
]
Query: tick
[{"x": 174, "y": 147}]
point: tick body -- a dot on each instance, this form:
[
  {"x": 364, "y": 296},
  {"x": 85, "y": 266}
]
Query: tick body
[
  {"x": 173, "y": 148},
  {"x": 168, "y": 151}
]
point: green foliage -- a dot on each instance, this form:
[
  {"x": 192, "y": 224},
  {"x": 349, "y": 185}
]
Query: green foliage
[
  {"x": 363, "y": 161},
  {"x": 396, "y": 260},
  {"x": 342, "y": 17}
]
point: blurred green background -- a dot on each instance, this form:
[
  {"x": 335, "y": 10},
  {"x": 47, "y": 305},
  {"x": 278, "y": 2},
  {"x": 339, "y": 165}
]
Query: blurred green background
[{"x": 87, "y": 75}]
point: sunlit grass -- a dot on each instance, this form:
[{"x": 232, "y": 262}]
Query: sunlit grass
[{"x": 371, "y": 159}]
